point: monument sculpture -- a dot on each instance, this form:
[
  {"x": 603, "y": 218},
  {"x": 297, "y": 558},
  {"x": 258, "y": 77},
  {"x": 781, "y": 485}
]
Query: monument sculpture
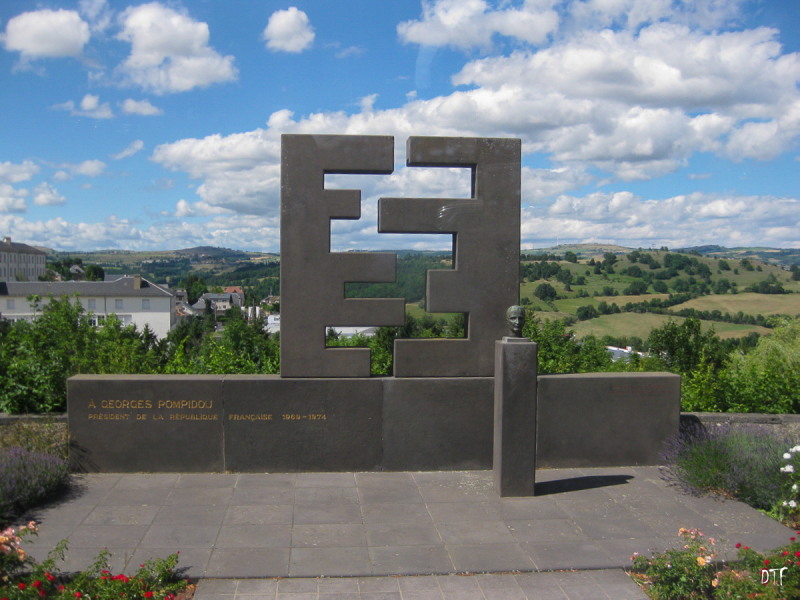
[
  {"x": 515, "y": 317},
  {"x": 324, "y": 412},
  {"x": 484, "y": 279}
]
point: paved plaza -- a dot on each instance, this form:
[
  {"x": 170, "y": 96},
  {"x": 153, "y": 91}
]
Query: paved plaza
[{"x": 403, "y": 535}]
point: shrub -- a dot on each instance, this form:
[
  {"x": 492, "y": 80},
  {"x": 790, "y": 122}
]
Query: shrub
[
  {"x": 22, "y": 577},
  {"x": 27, "y": 478},
  {"x": 789, "y": 509},
  {"x": 687, "y": 572},
  {"x": 690, "y": 571},
  {"x": 742, "y": 463}
]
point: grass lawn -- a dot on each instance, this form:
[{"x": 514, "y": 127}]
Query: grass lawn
[
  {"x": 640, "y": 325},
  {"x": 748, "y": 303}
]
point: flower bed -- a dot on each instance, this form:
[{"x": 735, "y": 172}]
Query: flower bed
[
  {"x": 21, "y": 577},
  {"x": 692, "y": 571}
]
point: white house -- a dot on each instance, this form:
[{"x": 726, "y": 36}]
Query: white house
[
  {"x": 132, "y": 299},
  {"x": 20, "y": 261}
]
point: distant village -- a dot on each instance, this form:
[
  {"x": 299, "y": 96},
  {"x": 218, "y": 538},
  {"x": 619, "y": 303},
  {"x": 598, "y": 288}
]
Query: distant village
[{"x": 132, "y": 298}]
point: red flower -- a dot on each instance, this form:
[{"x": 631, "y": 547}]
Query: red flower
[
  {"x": 61, "y": 588},
  {"x": 738, "y": 545},
  {"x": 797, "y": 553},
  {"x": 22, "y": 586},
  {"x": 766, "y": 562},
  {"x": 49, "y": 577},
  {"x": 746, "y": 547},
  {"x": 37, "y": 584},
  {"x": 78, "y": 595},
  {"x": 785, "y": 553},
  {"x": 148, "y": 594}
]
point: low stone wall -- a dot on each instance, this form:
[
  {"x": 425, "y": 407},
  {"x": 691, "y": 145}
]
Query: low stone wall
[
  {"x": 557, "y": 446},
  {"x": 248, "y": 423},
  {"x": 787, "y": 425}
]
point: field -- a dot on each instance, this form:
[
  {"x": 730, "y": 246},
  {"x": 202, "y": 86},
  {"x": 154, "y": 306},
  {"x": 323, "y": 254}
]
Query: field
[
  {"x": 640, "y": 325},
  {"x": 748, "y": 303}
]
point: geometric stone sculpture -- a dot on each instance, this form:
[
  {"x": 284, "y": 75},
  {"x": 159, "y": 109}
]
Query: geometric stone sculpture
[
  {"x": 484, "y": 279},
  {"x": 312, "y": 277}
]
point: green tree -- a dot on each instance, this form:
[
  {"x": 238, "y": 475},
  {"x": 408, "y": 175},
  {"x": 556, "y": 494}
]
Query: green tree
[
  {"x": 767, "y": 379},
  {"x": 636, "y": 288},
  {"x": 545, "y": 291},
  {"x": 94, "y": 273},
  {"x": 682, "y": 346}
]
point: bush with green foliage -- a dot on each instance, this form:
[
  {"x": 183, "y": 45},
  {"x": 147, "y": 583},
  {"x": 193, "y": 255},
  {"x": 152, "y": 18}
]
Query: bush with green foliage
[
  {"x": 691, "y": 572},
  {"x": 766, "y": 379}
]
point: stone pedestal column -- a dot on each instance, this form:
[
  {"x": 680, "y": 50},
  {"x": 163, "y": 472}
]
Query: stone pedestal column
[{"x": 514, "y": 460}]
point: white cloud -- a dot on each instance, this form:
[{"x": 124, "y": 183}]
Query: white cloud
[
  {"x": 131, "y": 149},
  {"x": 88, "y": 168},
  {"x": 12, "y": 200},
  {"x": 46, "y": 195},
  {"x": 468, "y": 23},
  {"x": 140, "y": 107},
  {"x": 241, "y": 172},
  {"x": 184, "y": 209},
  {"x": 288, "y": 31},
  {"x": 97, "y": 12},
  {"x": 89, "y": 106},
  {"x": 46, "y": 34},
  {"x": 707, "y": 14},
  {"x": 170, "y": 52},
  {"x": 115, "y": 232},
  {"x": 15, "y": 173},
  {"x": 684, "y": 220}
]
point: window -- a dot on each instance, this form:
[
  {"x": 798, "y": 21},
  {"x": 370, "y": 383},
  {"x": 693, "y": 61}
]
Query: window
[
  {"x": 10, "y": 304},
  {"x": 118, "y": 304},
  {"x": 145, "y": 304},
  {"x": 91, "y": 304}
]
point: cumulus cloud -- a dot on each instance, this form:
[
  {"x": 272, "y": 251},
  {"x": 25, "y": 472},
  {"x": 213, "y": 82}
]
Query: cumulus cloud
[
  {"x": 87, "y": 168},
  {"x": 170, "y": 51},
  {"x": 469, "y": 23},
  {"x": 241, "y": 172},
  {"x": 131, "y": 149},
  {"x": 683, "y": 220},
  {"x": 46, "y": 195},
  {"x": 706, "y": 14},
  {"x": 288, "y": 31},
  {"x": 97, "y": 13},
  {"x": 116, "y": 232},
  {"x": 89, "y": 106},
  {"x": 12, "y": 200},
  {"x": 46, "y": 34},
  {"x": 16, "y": 173},
  {"x": 140, "y": 107}
]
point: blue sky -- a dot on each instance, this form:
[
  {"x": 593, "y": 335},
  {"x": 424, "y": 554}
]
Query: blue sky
[{"x": 157, "y": 125}]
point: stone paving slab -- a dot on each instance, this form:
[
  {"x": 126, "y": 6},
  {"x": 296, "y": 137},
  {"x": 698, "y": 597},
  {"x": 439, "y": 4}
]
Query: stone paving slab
[
  {"x": 610, "y": 584},
  {"x": 237, "y": 528}
]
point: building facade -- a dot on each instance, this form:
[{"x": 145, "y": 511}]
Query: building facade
[
  {"x": 20, "y": 262},
  {"x": 134, "y": 300}
]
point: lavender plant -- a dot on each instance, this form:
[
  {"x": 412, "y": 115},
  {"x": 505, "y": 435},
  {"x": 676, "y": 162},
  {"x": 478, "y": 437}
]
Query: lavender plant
[
  {"x": 27, "y": 478},
  {"x": 742, "y": 463}
]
